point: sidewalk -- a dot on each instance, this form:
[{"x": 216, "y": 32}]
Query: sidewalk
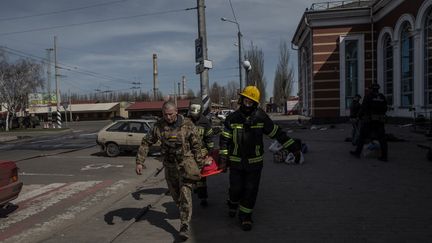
[
  {"x": 30, "y": 133},
  {"x": 332, "y": 197}
]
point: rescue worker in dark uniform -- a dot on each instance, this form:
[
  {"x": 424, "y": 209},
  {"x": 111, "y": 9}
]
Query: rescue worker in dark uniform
[
  {"x": 182, "y": 159},
  {"x": 205, "y": 132},
  {"x": 372, "y": 117},
  {"x": 354, "y": 118},
  {"x": 242, "y": 150}
]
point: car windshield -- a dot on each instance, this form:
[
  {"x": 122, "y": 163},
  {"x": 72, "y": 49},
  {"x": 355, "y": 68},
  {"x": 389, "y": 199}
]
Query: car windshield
[
  {"x": 151, "y": 123},
  {"x": 118, "y": 126}
]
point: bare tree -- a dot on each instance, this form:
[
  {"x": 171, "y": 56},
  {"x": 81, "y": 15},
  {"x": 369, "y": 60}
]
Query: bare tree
[
  {"x": 284, "y": 77},
  {"x": 256, "y": 75},
  {"x": 232, "y": 90},
  {"x": 17, "y": 80},
  {"x": 215, "y": 93}
]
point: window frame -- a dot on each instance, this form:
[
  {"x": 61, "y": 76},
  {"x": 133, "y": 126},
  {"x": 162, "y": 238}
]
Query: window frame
[{"x": 344, "y": 109}]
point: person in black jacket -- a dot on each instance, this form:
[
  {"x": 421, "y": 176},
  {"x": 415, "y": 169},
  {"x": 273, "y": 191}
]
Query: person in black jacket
[
  {"x": 354, "y": 118},
  {"x": 205, "y": 133},
  {"x": 242, "y": 150},
  {"x": 372, "y": 116}
]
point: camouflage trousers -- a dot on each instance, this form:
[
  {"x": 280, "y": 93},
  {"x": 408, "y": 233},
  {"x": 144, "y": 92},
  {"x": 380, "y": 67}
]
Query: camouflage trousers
[{"x": 181, "y": 192}]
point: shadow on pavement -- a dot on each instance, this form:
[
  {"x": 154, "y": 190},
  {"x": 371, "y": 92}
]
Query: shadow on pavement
[
  {"x": 4, "y": 212},
  {"x": 155, "y": 191},
  {"x": 152, "y": 216}
]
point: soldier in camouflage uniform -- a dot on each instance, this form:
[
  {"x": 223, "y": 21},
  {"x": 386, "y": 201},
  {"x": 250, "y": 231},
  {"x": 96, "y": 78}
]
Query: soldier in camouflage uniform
[
  {"x": 206, "y": 137},
  {"x": 182, "y": 159}
]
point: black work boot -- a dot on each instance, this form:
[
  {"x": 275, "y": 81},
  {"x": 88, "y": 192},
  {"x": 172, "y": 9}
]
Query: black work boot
[
  {"x": 184, "y": 232},
  {"x": 232, "y": 208},
  {"x": 245, "y": 221}
]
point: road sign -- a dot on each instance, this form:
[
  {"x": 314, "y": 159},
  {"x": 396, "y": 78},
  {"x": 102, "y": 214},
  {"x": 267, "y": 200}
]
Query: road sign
[
  {"x": 199, "y": 68},
  {"x": 198, "y": 50}
]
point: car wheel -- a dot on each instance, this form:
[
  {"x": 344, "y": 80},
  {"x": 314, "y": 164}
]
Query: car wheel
[{"x": 112, "y": 149}]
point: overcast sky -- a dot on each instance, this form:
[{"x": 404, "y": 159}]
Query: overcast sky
[{"x": 116, "y": 49}]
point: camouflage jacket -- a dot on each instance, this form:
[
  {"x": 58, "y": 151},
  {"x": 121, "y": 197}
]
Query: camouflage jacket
[
  {"x": 180, "y": 142},
  {"x": 205, "y": 132}
]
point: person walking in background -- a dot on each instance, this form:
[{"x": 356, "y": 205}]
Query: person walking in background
[
  {"x": 354, "y": 118},
  {"x": 181, "y": 156},
  {"x": 372, "y": 117},
  {"x": 242, "y": 150},
  {"x": 205, "y": 133}
]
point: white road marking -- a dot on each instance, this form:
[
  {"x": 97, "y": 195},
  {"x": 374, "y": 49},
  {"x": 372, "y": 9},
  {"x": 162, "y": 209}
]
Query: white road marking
[
  {"x": 75, "y": 157},
  {"x": 56, "y": 222},
  {"x": 36, "y": 192},
  {"x": 43, "y": 174},
  {"x": 100, "y": 166},
  {"x": 43, "y": 202}
]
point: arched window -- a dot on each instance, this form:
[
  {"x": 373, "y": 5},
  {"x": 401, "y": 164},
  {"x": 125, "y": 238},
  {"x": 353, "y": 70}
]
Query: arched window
[
  {"x": 407, "y": 69},
  {"x": 428, "y": 59},
  {"x": 351, "y": 70},
  {"x": 388, "y": 69}
]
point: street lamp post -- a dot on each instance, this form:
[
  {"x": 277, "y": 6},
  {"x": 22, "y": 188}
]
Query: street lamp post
[
  {"x": 239, "y": 36},
  {"x": 248, "y": 67}
]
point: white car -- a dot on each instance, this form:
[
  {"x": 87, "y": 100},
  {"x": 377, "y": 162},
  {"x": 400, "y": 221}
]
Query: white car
[{"x": 123, "y": 135}]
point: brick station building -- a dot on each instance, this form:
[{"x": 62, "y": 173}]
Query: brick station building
[{"x": 344, "y": 46}]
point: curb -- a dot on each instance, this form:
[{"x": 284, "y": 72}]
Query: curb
[{"x": 8, "y": 139}]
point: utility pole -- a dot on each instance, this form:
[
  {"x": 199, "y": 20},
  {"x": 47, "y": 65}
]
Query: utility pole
[
  {"x": 56, "y": 76},
  {"x": 49, "y": 50},
  {"x": 155, "y": 74},
  {"x": 178, "y": 89},
  {"x": 183, "y": 84},
  {"x": 239, "y": 36},
  {"x": 202, "y": 57},
  {"x": 70, "y": 106},
  {"x": 175, "y": 94}
]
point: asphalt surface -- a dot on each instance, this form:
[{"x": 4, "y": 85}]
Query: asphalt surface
[{"x": 332, "y": 197}]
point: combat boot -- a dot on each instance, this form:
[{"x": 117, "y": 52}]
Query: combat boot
[
  {"x": 232, "y": 208},
  {"x": 245, "y": 221},
  {"x": 184, "y": 232}
]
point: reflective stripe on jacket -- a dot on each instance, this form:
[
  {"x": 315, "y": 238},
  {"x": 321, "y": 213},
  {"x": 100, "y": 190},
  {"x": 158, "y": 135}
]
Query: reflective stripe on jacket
[{"x": 241, "y": 141}]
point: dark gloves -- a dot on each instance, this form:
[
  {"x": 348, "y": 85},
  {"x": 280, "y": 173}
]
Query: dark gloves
[
  {"x": 295, "y": 149},
  {"x": 298, "y": 157}
]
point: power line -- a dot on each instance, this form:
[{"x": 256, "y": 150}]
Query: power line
[
  {"x": 233, "y": 12},
  {"x": 95, "y": 21},
  {"x": 66, "y": 67},
  {"x": 60, "y": 11}
]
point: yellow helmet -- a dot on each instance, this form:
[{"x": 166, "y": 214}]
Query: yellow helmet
[{"x": 252, "y": 93}]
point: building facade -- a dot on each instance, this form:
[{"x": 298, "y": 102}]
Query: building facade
[
  {"x": 345, "y": 46},
  {"x": 142, "y": 109}
]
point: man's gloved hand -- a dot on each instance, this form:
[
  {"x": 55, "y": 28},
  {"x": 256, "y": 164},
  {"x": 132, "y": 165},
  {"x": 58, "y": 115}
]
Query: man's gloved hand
[
  {"x": 139, "y": 168},
  {"x": 208, "y": 160},
  {"x": 222, "y": 164}
]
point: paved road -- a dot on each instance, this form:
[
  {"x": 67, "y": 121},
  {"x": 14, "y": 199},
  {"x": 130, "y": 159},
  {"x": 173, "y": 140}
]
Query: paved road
[{"x": 333, "y": 197}]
